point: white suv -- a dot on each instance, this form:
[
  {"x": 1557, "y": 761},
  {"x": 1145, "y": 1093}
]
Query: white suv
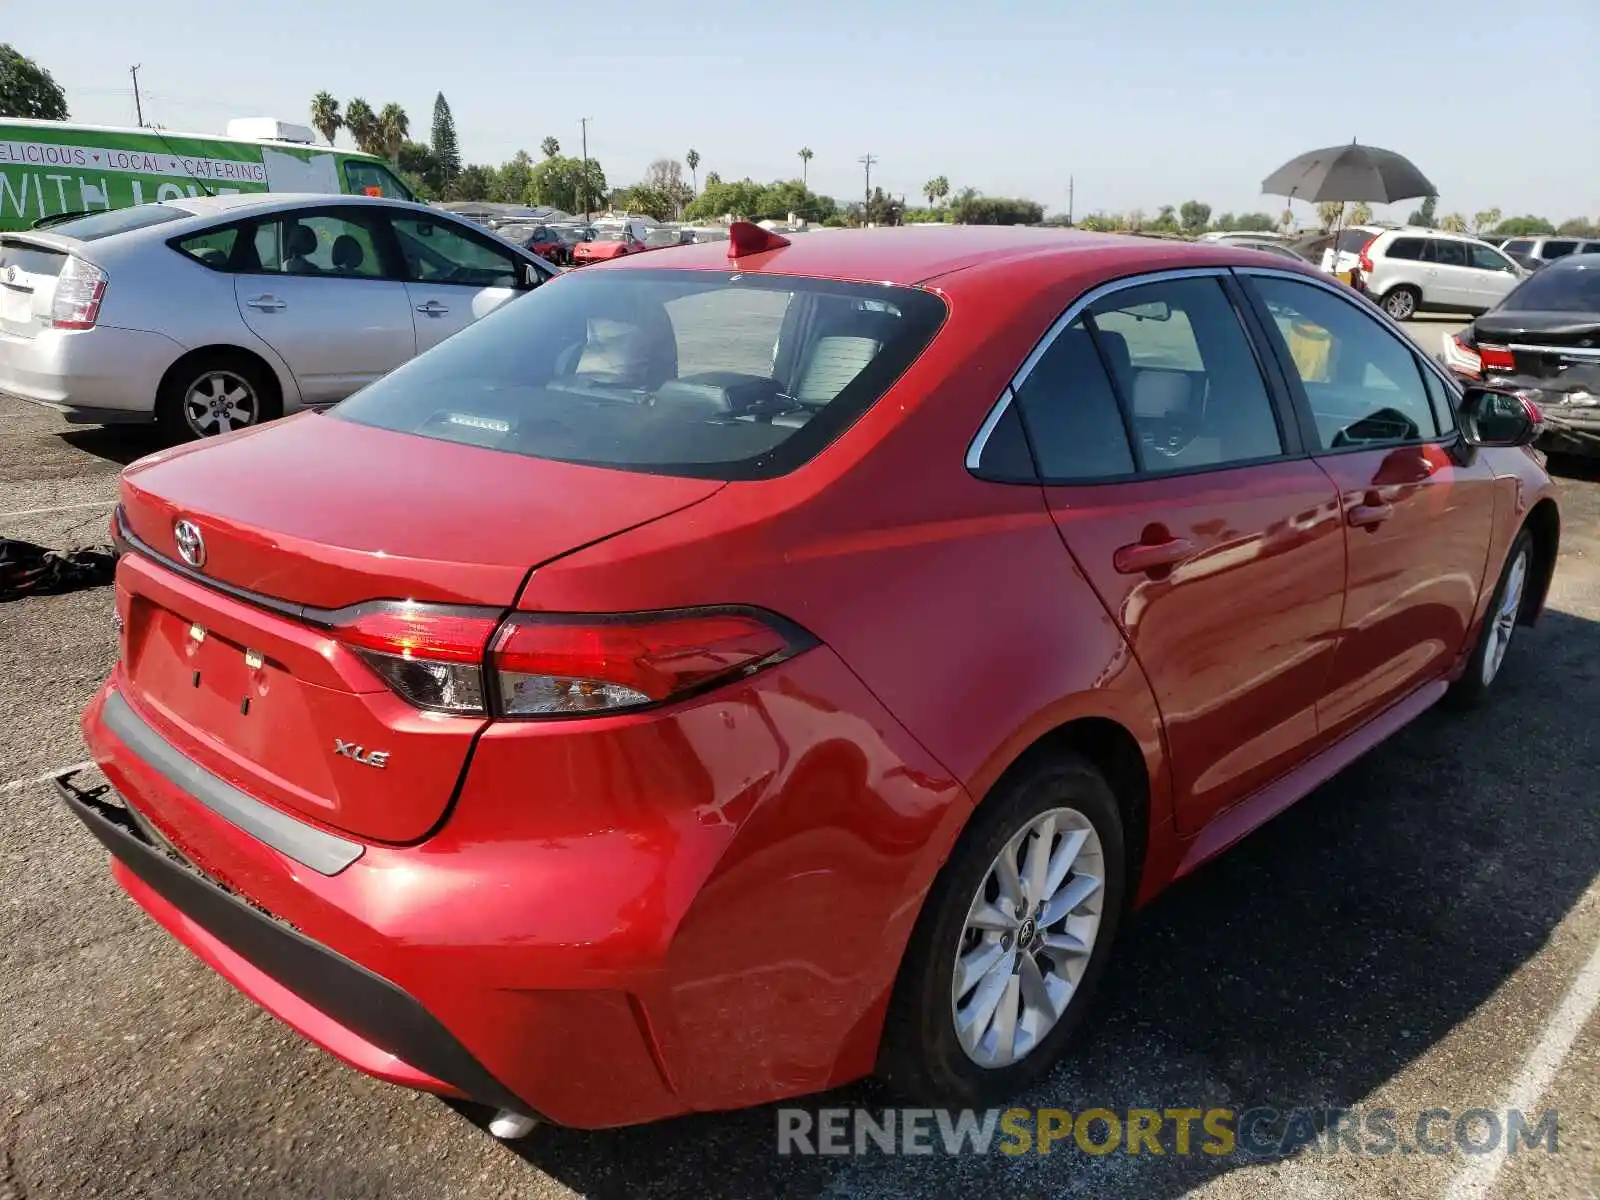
[{"x": 1408, "y": 271}]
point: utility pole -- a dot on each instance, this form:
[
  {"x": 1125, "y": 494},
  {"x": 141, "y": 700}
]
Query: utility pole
[
  {"x": 138, "y": 108},
  {"x": 866, "y": 160},
  {"x": 583, "y": 184},
  {"x": 1069, "y": 199}
]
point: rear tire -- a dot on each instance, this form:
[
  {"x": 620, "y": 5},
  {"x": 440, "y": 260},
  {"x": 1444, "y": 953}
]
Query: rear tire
[
  {"x": 1047, "y": 942},
  {"x": 215, "y": 392},
  {"x": 1402, "y": 302},
  {"x": 1499, "y": 624}
]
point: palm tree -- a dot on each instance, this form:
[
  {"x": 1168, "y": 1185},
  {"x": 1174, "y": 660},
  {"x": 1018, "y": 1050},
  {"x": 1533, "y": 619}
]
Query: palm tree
[
  {"x": 1453, "y": 223},
  {"x": 362, "y": 123},
  {"x": 325, "y": 116},
  {"x": 805, "y": 163},
  {"x": 936, "y": 189},
  {"x": 693, "y": 159},
  {"x": 1361, "y": 214},
  {"x": 393, "y": 126},
  {"x": 550, "y": 147}
]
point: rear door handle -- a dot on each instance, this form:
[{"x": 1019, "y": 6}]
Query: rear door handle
[
  {"x": 433, "y": 308},
  {"x": 267, "y": 303},
  {"x": 1369, "y": 515},
  {"x": 1140, "y": 558}
]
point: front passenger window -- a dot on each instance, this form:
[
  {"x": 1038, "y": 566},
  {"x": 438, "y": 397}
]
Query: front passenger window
[
  {"x": 436, "y": 252},
  {"x": 1363, "y": 384}
]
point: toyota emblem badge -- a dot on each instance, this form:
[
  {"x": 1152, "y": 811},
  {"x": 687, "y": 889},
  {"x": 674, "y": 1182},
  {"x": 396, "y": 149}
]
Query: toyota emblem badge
[{"x": 190, "y": 544}]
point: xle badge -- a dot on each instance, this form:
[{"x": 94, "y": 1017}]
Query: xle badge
[{"x": 367, "y": 758}]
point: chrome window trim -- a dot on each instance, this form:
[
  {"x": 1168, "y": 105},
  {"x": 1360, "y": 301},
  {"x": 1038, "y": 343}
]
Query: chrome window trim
[{"x": 980, "y": 439}]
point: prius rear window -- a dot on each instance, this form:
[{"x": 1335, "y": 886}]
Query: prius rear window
[
  {"x": 700, "y": 373},
  {"x": 119, "y": 220}
]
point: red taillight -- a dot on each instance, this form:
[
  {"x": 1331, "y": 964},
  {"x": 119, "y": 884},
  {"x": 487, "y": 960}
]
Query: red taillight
[
  {"x": 1496, "y": 358},
  {"x": 1461, "y": 356},
  {"x": 1365, "y": 259},
  {"x": 80, "y": 288},
  {"x": 431, "y": 655},
  {"x": 452, "y": 660},
  {"x": 555, "y": 665}
]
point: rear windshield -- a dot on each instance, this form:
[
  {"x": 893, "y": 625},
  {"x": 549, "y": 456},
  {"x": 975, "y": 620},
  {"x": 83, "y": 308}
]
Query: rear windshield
[
  {"x": 118, "y": 220},
  {"x": 1574, "y": 289},
  {"x": 697, "y": 373}
]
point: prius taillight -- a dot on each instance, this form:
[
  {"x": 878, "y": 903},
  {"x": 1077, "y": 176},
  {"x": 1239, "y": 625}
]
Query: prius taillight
[{"x": 478, "y": 662}]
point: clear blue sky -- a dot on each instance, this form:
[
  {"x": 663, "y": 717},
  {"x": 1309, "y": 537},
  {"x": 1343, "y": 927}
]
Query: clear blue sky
[{"x": 1144, "y": 102}]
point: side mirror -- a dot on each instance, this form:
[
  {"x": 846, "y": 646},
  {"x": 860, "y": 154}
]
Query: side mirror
[
  {"x": 532, "y": 277},
  {"x": 1493, "y": 416}
]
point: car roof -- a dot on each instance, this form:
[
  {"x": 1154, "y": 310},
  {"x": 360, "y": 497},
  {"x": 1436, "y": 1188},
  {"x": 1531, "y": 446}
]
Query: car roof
[
  {"x": 249, "y": 202},
  {"x": 911, "y": 254}
]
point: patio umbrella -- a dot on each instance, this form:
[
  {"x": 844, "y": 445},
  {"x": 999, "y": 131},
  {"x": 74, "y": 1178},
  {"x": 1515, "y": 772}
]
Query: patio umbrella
[
  {"x": 1344, "y": 173},
  {"x": 1353, "y": 172}
]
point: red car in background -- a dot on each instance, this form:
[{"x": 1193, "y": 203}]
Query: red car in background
[
  {"x": 731, "y": 673},
  {"x": 611, "y": 240},
  {"x": 544, "y": 240}
]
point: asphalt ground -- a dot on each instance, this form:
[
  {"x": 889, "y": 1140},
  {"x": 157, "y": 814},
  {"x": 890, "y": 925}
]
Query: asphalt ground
[{"x": 1423, "y": 931}]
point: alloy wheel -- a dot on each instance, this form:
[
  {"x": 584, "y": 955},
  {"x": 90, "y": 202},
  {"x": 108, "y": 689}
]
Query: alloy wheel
[
  {"x": 1400, "y": 304},
  {"x": 1027, "y": 938},
  {"x": 1503, "y": 621},
  {"x": 219, "y": 402}
]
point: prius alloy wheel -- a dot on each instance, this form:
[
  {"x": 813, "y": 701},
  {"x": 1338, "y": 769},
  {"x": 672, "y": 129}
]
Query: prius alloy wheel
[
  {"x": 1027, "y": 938},
  {"x": 220, "y": 402}
]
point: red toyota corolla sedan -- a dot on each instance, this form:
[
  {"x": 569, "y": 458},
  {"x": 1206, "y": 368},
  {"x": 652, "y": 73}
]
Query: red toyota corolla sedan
[{"x": 703, "y": 682}]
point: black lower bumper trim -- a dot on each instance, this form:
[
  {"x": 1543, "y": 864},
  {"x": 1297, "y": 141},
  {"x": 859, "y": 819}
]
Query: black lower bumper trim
[{"x": 346, "y": 992}]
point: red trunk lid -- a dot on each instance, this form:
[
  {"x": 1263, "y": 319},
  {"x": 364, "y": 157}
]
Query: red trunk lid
[{"x": 318, "y": 513}]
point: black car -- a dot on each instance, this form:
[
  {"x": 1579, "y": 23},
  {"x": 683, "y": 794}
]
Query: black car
[{"x": 1543, "y": 340}]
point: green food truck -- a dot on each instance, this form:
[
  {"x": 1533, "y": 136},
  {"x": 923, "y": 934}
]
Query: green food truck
[{"x": 52, "y": 167}]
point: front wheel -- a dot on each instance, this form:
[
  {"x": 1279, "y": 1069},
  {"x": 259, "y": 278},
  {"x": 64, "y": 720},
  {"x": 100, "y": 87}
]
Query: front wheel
[
  {"x": 1401, "y": 302},
  {"x": 1499, "y": 624},
  {"x": 1011, "y": 942}
]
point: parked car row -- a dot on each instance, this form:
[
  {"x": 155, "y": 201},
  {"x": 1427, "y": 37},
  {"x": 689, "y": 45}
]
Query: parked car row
[{"x": 1535, "y": 252}]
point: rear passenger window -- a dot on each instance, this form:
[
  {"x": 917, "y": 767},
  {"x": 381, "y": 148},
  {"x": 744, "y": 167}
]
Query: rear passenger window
[
  {"x": 213, "y": 248},
  {"x": 1555, "y": 249},
  {"x": 1404, "y": 248},
  {"x": 1447, "y": 253},
  {"x": 1363, "y": 383},
  {"x": 1187, "y": 377},
  {"x": 1071, "y": 412}
]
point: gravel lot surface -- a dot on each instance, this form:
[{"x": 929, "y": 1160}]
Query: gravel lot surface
[{"x": 1418, "y": 933}]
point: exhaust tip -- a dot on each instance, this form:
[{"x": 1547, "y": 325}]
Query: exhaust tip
[{"x": 508, "y": 1126}]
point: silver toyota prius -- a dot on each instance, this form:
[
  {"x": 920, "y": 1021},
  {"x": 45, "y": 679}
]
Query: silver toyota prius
[{"x": 214, "y": 313}]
